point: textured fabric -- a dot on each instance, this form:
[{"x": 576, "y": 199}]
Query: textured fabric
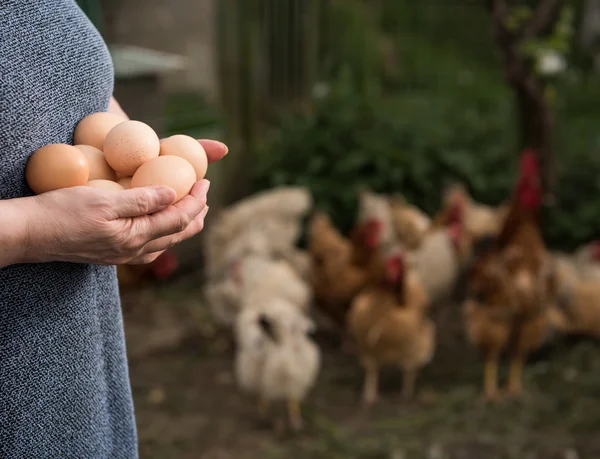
[{"x": 64, "y": 384}]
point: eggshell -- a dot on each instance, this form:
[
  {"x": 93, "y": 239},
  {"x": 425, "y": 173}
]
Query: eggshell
[
  {"x": 125, "y": 182},
  {"x": 99, "y": 168},
  {"x": 187, "y": 148},
  {"x": 92, "y": 129},
  {"x": 106, "y": 184},
  {"x": 171, "y": 171},
  {"x": 56, "y": 166},
  {"x": 129, "y": 145}
]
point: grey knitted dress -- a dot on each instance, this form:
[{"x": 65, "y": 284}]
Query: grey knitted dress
[{"x": 64, "y": 384}]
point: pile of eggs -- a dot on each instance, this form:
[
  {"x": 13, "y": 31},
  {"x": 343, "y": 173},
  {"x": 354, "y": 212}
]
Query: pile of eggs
[{"x": 113, "y": 153}]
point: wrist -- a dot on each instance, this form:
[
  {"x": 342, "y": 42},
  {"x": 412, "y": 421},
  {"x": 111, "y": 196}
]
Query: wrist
[{"x": 16, "y": 245}]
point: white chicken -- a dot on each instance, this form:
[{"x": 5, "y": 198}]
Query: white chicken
[
  {"x": 253, "y": 279},
  {"x": 276, "y": 359},
  {"x": 438, "y": 261},
  {"x": 276, "y": 213}
]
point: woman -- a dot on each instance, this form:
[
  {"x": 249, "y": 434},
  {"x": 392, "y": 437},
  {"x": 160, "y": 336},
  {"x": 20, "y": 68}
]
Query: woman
[{"x": 64, "y": 385}]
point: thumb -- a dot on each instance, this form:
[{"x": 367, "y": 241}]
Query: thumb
[{"x": 142, "y": 201}]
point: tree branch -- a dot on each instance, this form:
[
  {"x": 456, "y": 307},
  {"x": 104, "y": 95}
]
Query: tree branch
[
  {"x": 541, "y": 18},
  {"x": 500, "y": 13}
]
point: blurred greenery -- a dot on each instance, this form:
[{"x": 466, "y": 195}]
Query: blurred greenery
[
  {"x": 446, "y": 115},
  {"x": 191, "y": 114}
]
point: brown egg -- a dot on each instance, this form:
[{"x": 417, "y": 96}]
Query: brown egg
[
  {"x": 56, "y": 166},
  {"x": 187, "y": 148},
  {"x": 129, "y": 145},
  {"x": 92, "y": 129},
  {"x": 106, "y": 184},
  {"x": 125, "y": 182},
  {"x": 99, "y": 168},
  {"x": 171, "y": 171}
]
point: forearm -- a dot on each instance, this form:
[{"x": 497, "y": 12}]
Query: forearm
[{"x": 13, "y": 231}]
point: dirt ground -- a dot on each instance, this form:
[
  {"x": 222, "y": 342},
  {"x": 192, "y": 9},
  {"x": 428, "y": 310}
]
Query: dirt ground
[{"x": 188, "y": 406}]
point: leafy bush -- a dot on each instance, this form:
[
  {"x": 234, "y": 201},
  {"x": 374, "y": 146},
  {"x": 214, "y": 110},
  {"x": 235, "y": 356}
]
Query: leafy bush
[
  {"x": 427, "y": 135},
  {"x": 412, "y": 144}
]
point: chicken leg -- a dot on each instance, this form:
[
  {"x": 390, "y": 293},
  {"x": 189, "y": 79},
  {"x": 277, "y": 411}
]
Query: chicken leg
[
  {"x": 370, "y": 388},
  {"x": 294, "y": 414},
  {"x": 515, "y": 377},
  {"x": 490, "y": 378},
  {"x": 263, "y": 407},
  {"x": 409, "y": 378}
]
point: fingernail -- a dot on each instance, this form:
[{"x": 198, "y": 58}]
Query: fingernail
[
  {"x": 204, "y": 187},
  {"x": 205, "y": 211},
  {"x": 166, "y": 195}
]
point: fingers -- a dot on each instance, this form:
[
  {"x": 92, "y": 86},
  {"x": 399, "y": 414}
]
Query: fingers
[
  {"x": 215, "y": 150},
  {"x": 142, "y": 201},
  {"x": 175, "y": 218},
  {"x": 146, "y": 258},
  {"x": 166, "y": 242}
]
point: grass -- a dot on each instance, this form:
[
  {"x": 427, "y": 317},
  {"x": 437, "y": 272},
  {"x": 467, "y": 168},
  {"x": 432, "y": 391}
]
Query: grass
[{"x": 199, "y": 412}]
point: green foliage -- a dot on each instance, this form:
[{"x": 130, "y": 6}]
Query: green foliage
[
  {"x": 447, "y": 117},
  {"x": 189, "y": 113},
  {"x": 413, "y": 144},
  {"x": 350, "y": 41}
]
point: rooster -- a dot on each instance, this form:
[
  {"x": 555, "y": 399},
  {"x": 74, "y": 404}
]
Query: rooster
[{"x": 511, "y": 285}]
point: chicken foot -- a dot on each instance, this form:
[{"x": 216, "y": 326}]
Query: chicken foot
[
  {"x": 370, "y": 388},
  {"x": 490, "y": 378},
  {"x": 294, "y": 414},
  {"x": 409, "y": 378},
  {"x": 515, "y": 377},
  {"x": 263, "y": 407}
]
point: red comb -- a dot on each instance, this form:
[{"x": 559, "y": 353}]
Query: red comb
[
  {"x": 395, "y": 266},
  {"x": 370, "y": 231},
  {"x": 529, "y": 163},
  {"x": 165, "y": 265}
]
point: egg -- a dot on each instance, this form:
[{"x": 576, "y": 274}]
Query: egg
[
  {"x": 125, "y": 182},
  {"x": 106, "y": 184},
  {"x": 56, "y": 166},
  {"x": 92, "y": 129},
  {"x": 129, "y": 145},
  {"x": 171, "y": 171},
  {"x": 187, "y": 148},
  {"x": 99, "y": 168}
]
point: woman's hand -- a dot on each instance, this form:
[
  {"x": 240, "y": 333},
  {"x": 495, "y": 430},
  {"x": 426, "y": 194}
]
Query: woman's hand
[{"x": 91, "y": 225}]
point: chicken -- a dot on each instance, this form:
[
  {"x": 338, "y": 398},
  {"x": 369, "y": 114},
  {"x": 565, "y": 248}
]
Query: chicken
[
  {"x": 270, "y": 236},
  {"x": 341, "y": 267},
  {"x": 389, "y": 324},
  {"x": 253, "y": 279},
  {"x": 577, "y": 311},
  {"x": 276, "y": 359},
  {"x": 479, "y": 220},
  {"x": 373, "y": 206},
  {"x": 577, "y": 307},
  {"x": 440, "y": 257},
  {"x": 583, "y": 264},
  {"x": 511, "y": 287},
  {"x": 275, "y": 214},
  {"x": 409, "y": 222}
]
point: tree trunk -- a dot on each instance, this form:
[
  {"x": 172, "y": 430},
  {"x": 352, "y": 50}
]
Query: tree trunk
[{"x": 536, "y": 123}]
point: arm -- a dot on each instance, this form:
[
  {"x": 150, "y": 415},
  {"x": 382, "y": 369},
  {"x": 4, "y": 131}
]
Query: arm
[{"x": 13, "y": 231}]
